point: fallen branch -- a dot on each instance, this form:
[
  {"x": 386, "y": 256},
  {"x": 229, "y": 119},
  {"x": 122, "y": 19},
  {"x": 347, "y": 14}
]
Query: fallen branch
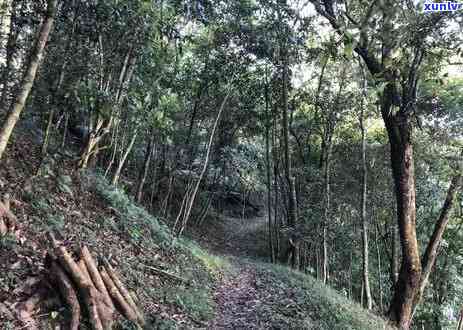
[{"x": 167, "y": 274}]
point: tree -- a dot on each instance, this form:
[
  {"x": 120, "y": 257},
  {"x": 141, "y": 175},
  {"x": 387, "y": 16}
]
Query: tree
[
  {"x": 28, "y": 79},
  {"x": 397, "y": 103},
  {"x": 365, "y": 248}
]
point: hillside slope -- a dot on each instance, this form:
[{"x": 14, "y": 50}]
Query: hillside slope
[{"x": 179, "y": 284}]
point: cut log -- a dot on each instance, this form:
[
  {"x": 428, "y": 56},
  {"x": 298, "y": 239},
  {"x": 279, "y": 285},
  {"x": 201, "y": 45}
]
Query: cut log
[
  {"x": 83, "y": 285},
  {"x": 68, "y": 293},
  {"x": 89, "y": 294},
  {"x": 83, "y": 268},
  {"x": 124, "y": 292},
  {"x": 105, "y": 312},
  {"x": 121, "y": 303},
  {"x": 95, "y": 276}
]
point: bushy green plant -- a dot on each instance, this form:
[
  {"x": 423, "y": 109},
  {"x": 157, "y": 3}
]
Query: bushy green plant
[
  {"x": 132, "y": 219},
  {"x": 196, "y": 302},
  {"x": 55, "y": 222}
]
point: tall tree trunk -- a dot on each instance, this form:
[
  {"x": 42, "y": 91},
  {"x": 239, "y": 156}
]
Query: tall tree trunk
[
  {"x": 144, "y": 172},
  {"x": 269, "y": 174},
  {"x": 325, "y": 159},
  {"x": 6, "y": 11},
  {"x": 192, "y": 198},
  {"x": 9, "y": 28},
  {"x": 290, "y": 182},
  {"x": 326, "y": 214},
  {"x": 287, "y": 153},
  {"x": 120, "y": 166},
  {"x": 380, "y": 281},
  {"x": 276, "y": 170},
  {"x": 399, "y": 128},
  {"x": 365, "y": 249},
  {"x": 28, "y": 78},
  {"x": 349, "y": 294},
  {"x": 154, "y": 182}
]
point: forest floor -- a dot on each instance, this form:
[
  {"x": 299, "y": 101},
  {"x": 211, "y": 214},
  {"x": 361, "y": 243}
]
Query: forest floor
[
  {"x": 238, "y": 297},
  {"x": 226, "y": 283},
  {"x": 254, "y": 294}
]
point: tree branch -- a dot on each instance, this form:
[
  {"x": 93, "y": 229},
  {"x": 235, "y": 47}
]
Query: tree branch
[
  {"x": 372, "y": 63},
  {"x": 430, "y": 255}
]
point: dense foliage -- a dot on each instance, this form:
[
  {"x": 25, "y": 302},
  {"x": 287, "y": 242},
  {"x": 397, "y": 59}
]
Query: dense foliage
[{"x": 343, "y": 117}]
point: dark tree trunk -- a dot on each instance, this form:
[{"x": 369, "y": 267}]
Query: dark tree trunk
[
  {"x": 269, "y": 174},
  {"x": 399, "y": 129}
]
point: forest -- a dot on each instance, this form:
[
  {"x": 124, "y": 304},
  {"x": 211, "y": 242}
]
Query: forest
[{"x": 227, "y": 156}]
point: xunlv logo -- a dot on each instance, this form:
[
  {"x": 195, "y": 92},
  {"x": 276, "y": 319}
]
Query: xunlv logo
[{"x": 442, "y": 6}]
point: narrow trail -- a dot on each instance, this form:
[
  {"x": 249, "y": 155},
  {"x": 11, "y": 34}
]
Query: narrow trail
[
  {"x": 238, "y": 295},
  {"x": 237, "y": 299},
  {"x": 237, "y": 237},
  {"x": 254, "y": 294}
]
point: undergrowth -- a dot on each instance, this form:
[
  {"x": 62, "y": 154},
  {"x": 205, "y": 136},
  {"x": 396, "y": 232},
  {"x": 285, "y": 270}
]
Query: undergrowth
[
  {"x": 298, "y": 301},
  {"x": 187, "y": 260},
  {"x": 86, "y": 209},
  {"x": 105, "y": 218}
]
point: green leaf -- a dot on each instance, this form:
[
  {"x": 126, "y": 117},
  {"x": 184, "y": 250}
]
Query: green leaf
[
  {"x": 380, "y": 87},
  {"x": 348, "y": 50}
]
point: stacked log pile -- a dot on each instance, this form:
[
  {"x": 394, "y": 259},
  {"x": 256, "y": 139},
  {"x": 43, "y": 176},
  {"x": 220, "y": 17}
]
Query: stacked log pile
[{"x": 85, "y": 287}]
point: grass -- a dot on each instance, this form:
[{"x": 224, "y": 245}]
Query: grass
[
  {"x": 86, "y": 209},
  {"x": 186, "y": 259},
  {"x": 293, "y": 300},
  {"x": 109, "y": 221},
  {"x": 298, "y": 301}
]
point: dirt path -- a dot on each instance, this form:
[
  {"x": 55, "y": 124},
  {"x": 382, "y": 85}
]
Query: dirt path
[
  {"x": 237, "y": 299},
  {"x": 238, "y": 237},
  {"x": 257, "y": 295}
]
